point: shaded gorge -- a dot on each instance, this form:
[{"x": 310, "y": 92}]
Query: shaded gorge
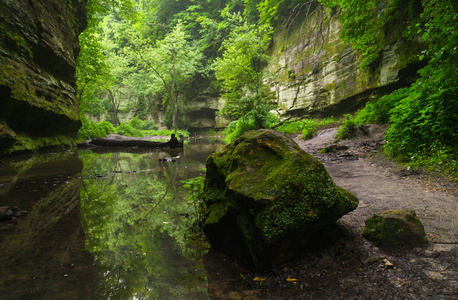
[{"x": 88, "y": 225}]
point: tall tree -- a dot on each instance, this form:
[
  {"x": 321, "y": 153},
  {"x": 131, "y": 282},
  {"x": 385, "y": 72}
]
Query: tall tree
[
  {"x": 168, "y": 65},
  {"x": 241, "y": 69}
]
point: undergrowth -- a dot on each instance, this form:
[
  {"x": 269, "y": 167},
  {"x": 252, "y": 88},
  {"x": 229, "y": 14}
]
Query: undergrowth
[
  {"x": 307, "y": 128},
  {"x": 133, "y": 128}
]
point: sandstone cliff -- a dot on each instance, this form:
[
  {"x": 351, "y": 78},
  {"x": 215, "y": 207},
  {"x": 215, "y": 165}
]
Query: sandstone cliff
[
  {"x": 318, "y": 74},
  {"x": 38, "y": 49}
]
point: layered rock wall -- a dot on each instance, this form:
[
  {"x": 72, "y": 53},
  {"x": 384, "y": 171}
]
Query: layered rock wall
[
  {"x": 201, "y": 112},
  {"x": 38, "y": 50},
  {"x": 318, "y": 74}
]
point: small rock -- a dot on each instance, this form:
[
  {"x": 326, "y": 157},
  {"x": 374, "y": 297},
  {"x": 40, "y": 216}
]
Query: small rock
[
  {"x": 395, "y": 228},
  {"x": 373, "y": 259}
]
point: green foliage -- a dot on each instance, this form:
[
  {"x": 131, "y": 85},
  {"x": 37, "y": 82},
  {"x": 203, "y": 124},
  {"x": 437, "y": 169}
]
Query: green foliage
[
  {"x": 195, "y": 187},
  {"x": 136, "y": 123},
  {"x": 94, "y": 71},
  {"x": 311, "y": 126},
  {"x": 166, "y": 132},
  {"x": 424, "y": 121},
  {"x": 237, "y": 128},
  {"x": 168, "y": 64},
  {"x": 258, "y": 118},
  {"x": 347, "y": 130},
  {"x": 128, "y": 130},
  {"x": 291, "y": 127},
  {"x": 241, "y": 69},
  {"x": 309, "y": 129},
  {"x": 378, "y": 111},
  {"x": 268, "y": 11},
  {"x": 90, "y": 130}
]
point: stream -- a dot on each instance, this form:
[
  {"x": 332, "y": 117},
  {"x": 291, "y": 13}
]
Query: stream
[
  {"x": 118, "y": 225},
  {"x": 89, "y": 225}
]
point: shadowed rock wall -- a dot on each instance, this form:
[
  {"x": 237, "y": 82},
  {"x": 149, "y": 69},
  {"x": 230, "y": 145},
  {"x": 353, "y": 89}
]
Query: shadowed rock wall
[{"x": 38, "y": 50}]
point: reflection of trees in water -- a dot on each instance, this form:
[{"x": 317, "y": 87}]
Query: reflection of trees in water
[{"x": 138, "y": 227}]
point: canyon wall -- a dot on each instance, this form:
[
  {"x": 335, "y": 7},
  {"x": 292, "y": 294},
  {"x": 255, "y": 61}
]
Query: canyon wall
[
  {"x": 38, "y": 50},
  {"x": 317, "y": 74}
]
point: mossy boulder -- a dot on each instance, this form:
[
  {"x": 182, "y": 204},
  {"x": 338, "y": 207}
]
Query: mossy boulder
[
  {"x": 395, "y": 228},
  {"x": 266, "y": 197}
]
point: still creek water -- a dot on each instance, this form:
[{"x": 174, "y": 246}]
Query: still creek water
[{"x": 87, "y": 225}]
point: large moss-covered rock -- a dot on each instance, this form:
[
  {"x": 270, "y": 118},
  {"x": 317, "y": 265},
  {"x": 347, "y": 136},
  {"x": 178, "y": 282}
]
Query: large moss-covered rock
[
  {"x": 266, "y": 197},
  {"x": 38, "y": 50},
  {"x": 395, "y": 228}
]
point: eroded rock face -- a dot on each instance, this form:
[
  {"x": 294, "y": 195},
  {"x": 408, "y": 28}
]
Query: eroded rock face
[
  {"x": 38, "y": 50},
  {"x": 266, "y": 197},
  {"x": 395, "y": 228},
  {"x": 320, "y": 75}
]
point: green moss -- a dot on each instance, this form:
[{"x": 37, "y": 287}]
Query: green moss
[
  {"x": 373, "y": 229},
  {"x": 395, "y": 228},
  {"x": 29, "y": 144},
  {"x": 288, "y": 186},
  {"x": 15, "y": 75},
  {"x": 18, "y": 40}
]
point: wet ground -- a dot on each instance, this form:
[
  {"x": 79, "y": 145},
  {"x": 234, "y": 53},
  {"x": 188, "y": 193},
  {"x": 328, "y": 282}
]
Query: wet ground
[
  {"x": 74, "y": 227},
  {"x": 347, "y": 266}
]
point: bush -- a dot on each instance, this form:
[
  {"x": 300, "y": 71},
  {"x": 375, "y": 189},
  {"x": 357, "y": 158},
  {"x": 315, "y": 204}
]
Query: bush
[
  {"x": 241, "y": 126},
  {"x": 291, "y": 127},
  {"x": 258, "y": 118},
  {"x": 148, "y": 125},
  {"x": 309, "y": 129},
  {"x": 379, "y": 111},
  {"x": 347, "y": 130},
  {"x": 136, "y": 123},
  {"x": 127, "y": 130},
  {"x": 311, "y": 126},
  {"x": 90, "y": 130}
]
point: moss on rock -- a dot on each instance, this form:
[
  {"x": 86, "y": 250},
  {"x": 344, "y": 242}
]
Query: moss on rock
[
  {"x": 38, "y": 51},
  {"x": 395, "y": 228},
  {"x": 284, "y": 194}
]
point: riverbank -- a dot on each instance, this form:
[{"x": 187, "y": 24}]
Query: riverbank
[{"x": 346, "y": 266}]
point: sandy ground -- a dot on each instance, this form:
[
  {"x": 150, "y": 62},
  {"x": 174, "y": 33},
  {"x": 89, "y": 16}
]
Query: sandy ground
[{"x": 348, "y": 266}]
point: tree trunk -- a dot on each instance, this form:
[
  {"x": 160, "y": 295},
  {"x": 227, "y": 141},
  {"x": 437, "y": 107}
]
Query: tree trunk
[
  {"x": 174, "y": 97},
  {"x": 116, "y": 121}
]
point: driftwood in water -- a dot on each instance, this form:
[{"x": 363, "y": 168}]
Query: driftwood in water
[{"x": 114, "y": 140}]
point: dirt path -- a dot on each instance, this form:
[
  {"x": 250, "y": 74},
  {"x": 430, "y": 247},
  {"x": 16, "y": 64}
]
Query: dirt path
[
  {"x": 380, "y": 185},
  {"x": 350, "y": 267}
]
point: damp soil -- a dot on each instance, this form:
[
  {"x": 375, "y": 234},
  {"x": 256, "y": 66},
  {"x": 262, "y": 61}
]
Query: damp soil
[{"x": 345, "y": 265}]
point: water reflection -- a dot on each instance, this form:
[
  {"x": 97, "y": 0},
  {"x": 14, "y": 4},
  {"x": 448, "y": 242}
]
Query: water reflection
[
  {"x": 102, "y": 226},
  {"x": 40, "y": 250},
  {"x": 137, "y": 222}
]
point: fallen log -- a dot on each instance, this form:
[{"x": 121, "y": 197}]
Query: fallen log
[{"x": 115, "y": 140}]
